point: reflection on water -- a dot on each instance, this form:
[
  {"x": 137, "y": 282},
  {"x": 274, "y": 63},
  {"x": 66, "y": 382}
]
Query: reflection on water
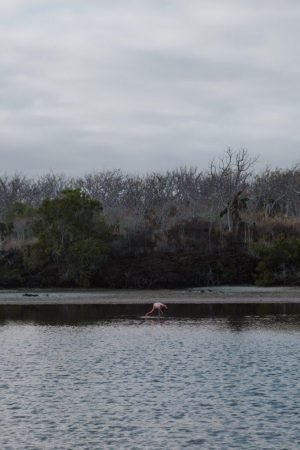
[{"x": 154, "y": 384}]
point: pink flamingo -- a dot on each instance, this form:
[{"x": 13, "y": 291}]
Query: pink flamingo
[{"x": 157, "y": 306}]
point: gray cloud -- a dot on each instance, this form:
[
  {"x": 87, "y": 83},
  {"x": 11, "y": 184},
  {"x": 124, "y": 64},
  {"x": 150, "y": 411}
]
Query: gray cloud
[{"x": 146, "y": 85}]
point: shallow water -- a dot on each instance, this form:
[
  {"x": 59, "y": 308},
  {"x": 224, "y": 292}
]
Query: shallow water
[{"x": 135, "y": 384}]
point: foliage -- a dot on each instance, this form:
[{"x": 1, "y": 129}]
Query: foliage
[
  {"x": 279, "y": 262},
  {"x": 179, "y": 228},
  {"x": 11, "y": 269},
  {"x": 71, "y": 236}
]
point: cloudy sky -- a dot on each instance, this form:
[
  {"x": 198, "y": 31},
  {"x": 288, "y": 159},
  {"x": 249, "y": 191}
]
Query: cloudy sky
[{"x": 147, "y": 85}]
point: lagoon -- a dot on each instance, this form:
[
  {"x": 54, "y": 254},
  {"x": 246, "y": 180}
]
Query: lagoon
[{"x": 211, "y": 383}]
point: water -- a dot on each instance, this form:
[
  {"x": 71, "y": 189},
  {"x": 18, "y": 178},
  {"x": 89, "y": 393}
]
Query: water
[{"x": 132, "y": 384}]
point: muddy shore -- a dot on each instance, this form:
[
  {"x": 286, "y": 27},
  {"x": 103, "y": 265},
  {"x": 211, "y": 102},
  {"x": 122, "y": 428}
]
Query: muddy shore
[{"x": 206, "y": 295}]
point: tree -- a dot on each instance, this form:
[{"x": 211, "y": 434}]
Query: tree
[
  {"x": 229, "y": 178},
  {"x": 71, "y": 236}
]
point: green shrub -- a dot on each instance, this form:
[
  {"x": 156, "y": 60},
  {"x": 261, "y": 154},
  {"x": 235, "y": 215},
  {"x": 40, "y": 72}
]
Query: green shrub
[{"x": 279, "y": 262}]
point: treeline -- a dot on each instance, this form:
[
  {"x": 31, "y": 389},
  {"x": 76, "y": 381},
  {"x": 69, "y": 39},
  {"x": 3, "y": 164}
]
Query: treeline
[{"x": 180, "y": 228}]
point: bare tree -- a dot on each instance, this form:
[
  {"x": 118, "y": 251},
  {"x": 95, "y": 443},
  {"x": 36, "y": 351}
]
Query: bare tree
[
  {"x": 277, "y": 192},
  {"x": 230, "y": 178}
]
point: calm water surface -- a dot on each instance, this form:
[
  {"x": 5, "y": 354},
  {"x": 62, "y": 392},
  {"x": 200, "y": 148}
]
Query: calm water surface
[{"x": 133, "y": 384}]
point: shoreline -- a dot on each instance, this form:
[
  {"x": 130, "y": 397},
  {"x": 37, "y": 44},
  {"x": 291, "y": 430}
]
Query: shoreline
[
  {"x": 77, "y": 306},
  {"x": 201, "y": 296}
]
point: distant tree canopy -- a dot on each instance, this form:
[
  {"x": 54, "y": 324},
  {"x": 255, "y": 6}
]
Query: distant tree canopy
[{"x": 179, "y": 228}]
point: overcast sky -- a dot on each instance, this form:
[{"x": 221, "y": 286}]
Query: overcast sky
[{"x": 147, "y": 85}]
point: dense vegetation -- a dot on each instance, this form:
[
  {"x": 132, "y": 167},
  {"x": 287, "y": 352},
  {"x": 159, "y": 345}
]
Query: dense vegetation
[{"x": 175, "y": 229}]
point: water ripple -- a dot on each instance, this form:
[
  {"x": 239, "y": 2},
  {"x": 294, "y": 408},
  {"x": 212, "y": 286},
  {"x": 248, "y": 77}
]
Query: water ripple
[{"x": 172, "y": 385}]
